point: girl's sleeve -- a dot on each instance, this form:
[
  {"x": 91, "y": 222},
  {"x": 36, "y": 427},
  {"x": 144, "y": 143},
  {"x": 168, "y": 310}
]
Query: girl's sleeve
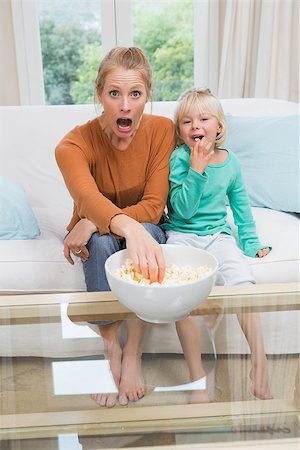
[
  {"x": 242, "y": 215},
  {"x": 186, "y": 184}
]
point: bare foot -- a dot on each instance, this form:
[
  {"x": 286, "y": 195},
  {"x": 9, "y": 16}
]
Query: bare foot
[
  {"x": 132, "y": 387},
  {"x": 108, "y": 400},
  {"x": 260, "y": 381},
  {"x": 113, "y": 353},
  {"x": 199, "y": 395}
]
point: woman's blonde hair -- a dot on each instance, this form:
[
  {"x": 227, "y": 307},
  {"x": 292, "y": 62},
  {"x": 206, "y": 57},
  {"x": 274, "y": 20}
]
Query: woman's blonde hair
[
  {"x": 129, "y": 58},
  {"x": 200, "y": 100}
]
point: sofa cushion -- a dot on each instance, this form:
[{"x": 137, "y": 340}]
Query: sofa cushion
[
  {"x": 268, "y": 150},
  {"x": 38, "y": 266},
  {"x": 41, "y": 267},
  {"x": 17, "y": 218},
  {"x": 277, "y": 229}
]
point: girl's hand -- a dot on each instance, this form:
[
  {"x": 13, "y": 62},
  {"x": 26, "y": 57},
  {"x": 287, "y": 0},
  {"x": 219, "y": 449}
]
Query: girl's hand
[
  {"x": 146, "y": 254},
  {"x": 76, "y": 240},
  {"x": 263, "y": 252},
  {"x": 201, "y": 154}
]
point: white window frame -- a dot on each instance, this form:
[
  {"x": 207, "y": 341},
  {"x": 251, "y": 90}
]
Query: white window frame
[{"x": 116, "y": 24}]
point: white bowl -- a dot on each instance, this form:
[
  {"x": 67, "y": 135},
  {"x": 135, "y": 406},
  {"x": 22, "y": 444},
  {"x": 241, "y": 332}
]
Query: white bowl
[{"x": 161, "y": 304}]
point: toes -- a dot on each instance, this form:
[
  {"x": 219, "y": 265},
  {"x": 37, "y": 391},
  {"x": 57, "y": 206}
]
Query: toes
[
  {"x": 134, "y": 395},
  {"x": 97, "y": 398},
  {"x": 123, "y": 399},
  {"x": 111, "y": 401},
  {"x": 105, "y": 400},
  {"x": 102, "y": 400},
  {"x": 140, "y": 393}
]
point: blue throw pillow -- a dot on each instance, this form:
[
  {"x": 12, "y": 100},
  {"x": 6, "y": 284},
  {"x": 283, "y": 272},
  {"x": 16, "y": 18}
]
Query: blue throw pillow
[
  {"x": 268, "y": 150},
  {"x": 17, "y": 220}
]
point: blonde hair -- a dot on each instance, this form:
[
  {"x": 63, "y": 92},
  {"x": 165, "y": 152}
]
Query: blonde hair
[
  {"x": 200, "y": 100},
  {"x": 129, "y": 58}
]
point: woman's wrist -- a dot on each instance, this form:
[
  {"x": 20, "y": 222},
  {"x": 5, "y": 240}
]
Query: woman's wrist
[
  {"x": 122, "y": 225},
  {"x": 92, "y": 227}
]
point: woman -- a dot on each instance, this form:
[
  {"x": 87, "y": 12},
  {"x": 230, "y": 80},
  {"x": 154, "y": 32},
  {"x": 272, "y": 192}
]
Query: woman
[{"x": 116, "y": 168}]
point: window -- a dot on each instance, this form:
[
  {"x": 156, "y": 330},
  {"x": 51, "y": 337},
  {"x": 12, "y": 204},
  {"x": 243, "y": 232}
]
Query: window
[
  {"x": 164, "y": 29},
  {"x": 71, "y": 49},
  {"x": 69, "y": 38}
]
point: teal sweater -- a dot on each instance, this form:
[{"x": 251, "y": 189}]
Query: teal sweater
[{"x": 197, "y": 202}]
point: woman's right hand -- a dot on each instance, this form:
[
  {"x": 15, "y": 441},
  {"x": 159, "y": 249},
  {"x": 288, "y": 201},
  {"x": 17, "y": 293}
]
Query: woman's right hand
[
  {"x": 144, "y": 251},
  {"x": 75, "y": 242}
]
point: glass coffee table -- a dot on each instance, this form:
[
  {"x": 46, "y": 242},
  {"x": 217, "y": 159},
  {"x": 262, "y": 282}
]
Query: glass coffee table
[{"x": 52, "y": 362}]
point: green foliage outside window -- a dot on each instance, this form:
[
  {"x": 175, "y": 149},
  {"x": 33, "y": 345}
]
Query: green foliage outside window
[
  {"x": 167, "y": 35},
  {"x": 72, "y": 51},
  {"x": 63, "y": 48}
]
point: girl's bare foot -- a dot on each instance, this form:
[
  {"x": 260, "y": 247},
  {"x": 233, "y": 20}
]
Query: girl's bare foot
[
  {"x": 260, "y": 381},
  {"x": 132, "y": 387},
  {"x": 199, "y": 395}
]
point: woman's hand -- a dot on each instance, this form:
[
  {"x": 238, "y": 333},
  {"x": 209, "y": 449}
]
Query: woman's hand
[
  {"x": 263, "y": 252},
  {"x": 145, "y": 253},
  {"x": 76, "y": 240},
  {"x": 201, "y": 154}
]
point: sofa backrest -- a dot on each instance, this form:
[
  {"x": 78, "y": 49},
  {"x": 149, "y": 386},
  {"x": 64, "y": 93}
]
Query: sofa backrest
[{"x": 29, "y": 135}]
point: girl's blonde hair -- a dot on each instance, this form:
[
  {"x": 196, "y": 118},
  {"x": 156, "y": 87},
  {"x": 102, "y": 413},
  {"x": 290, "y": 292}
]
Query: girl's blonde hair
[
  {"x": 129, "y": 58},
  {"x": 200, "y": 100}
]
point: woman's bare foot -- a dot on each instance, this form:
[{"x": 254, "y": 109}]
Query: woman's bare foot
[
  {"x": 132, "y": 386},
  {"x": 260, "y": 381},
  {"x": 113, "y": 353}
]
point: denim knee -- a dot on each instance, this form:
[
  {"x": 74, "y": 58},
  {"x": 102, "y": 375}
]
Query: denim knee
[{"x": 100, "y": 248}]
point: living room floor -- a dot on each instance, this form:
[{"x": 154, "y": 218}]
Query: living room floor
[{"x": 26, "y": 386}]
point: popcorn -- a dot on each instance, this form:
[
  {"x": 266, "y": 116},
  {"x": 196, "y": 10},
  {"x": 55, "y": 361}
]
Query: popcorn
[{"x": 174, "y": 274}]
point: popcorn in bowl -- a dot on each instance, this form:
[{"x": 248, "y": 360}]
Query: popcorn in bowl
[
  {"x": 174, "y": 274},
  {"x": 185, "y": 287}
]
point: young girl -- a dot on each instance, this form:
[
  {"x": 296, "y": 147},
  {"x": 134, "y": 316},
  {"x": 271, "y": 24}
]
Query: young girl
[{"x": 202, "y": 176}]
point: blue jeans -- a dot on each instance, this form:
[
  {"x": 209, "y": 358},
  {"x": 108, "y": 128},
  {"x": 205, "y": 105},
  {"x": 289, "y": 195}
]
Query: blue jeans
[{"x": 100, "y": 248}]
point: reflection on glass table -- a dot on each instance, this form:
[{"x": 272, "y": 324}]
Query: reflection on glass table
[
  {"x": 53, "y": 363},
  {"x": 164, "y": 368}
]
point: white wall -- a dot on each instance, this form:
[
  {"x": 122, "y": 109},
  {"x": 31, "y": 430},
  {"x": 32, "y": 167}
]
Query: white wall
[{"x": 9, "y": 85}]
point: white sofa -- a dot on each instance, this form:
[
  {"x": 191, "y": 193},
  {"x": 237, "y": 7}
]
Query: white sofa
[{"x": 28, "y": 136}]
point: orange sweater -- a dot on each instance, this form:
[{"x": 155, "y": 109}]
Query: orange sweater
[{"x": 104, "y": 181}]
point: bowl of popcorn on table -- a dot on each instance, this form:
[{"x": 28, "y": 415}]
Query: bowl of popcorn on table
[{"x": 189, "y": 278}]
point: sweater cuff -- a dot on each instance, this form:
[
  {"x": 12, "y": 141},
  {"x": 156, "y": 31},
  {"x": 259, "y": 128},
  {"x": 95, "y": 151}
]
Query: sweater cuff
[{"x": 254, "y": 249}]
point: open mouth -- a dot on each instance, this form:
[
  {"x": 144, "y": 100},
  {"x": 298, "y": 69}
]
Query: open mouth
[
  {"x": 198, "y": 137},
  {"x": 124, "y": 123}
]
